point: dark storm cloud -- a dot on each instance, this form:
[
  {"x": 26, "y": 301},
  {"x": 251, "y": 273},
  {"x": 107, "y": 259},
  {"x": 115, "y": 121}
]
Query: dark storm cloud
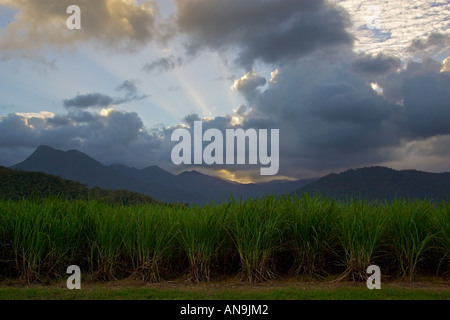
[
  {"x": 163, "y": 64},
  {"x": 14, "y": 132},
  {"x": 426, "y": 100},
  {"x": 191, "y": 118},
  {"x": 435, "y": 43},
  {"x": 326, "y": 121},
  {"x": 376, "y": 65},
  {"x": 116, "y": 137},
  {"x": 334, "y": 120},
  {"x": 268, "y": 31}
]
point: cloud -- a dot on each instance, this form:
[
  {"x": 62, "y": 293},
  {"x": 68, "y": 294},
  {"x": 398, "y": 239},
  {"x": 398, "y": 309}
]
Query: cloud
[
  {"x": 267, "y": 31},
  {"x": 427, "y": 154},
  {"x": 109, "y": 136},
  {"x": 434, "y": 44},
  {"x": 248, "y": 84},
  {"x": 122, "y": 24},
  {"x": 376, "y": 65},
  {"x": 446, "y": 65},
  {"x": 426, "y": 100},
  {"x": 334, "y": 120},
  {"x": 129, "y": 86},
  {"x": 131, "y": 92},
  {"x": 191, "y": 118},
  {"x": 98, "y": 100},
  {"x": 163, "y": 64},
  {"x": 321, "y": 95},
  {"x": 330, "y": 121},
  {"x": 92, "y": 100},
  {"x": 401, "y": 23},
  {"x": 16, "y": 131}
]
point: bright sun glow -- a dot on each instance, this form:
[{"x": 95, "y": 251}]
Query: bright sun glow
[
  {"x": 106, "y": 112},
  {"x": 235, "y": 121},
  {"x": 274, "y": 75},
  {"x": 446, "y": 65},
  {"x": 227, "y": 175},
  {"x": 376, "y": 87},
  {"x": 40, "y": 115}
]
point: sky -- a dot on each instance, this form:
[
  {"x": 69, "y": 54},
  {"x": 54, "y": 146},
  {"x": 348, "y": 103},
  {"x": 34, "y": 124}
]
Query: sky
[{"x": 348, "y": 83}]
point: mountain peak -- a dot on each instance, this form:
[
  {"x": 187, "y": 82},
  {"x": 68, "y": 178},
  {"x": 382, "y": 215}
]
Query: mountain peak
[
  {"x": 43, "y": 148},
  {"x": 72, "y": 165}
]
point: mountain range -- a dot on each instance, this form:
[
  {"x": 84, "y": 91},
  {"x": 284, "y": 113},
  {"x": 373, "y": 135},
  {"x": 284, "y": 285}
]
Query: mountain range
[
  {"x": 192, "y": 187},
  {"x": 380, "y": 183},
  {"x": 188, "y": 187}
]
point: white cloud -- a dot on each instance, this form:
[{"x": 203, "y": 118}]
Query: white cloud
[
  {"x": 401, "y": 23},
  {"x": 40, "y": 115},
  {"x": 446, "y": 65}
]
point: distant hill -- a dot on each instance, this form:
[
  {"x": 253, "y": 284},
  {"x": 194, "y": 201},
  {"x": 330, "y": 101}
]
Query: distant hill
[
  {"x": 188, "y": 187},
  {"x": 18, "y": 184},
  {"x": 76, "y": 166},
  {"x": 379, "y": 183}
]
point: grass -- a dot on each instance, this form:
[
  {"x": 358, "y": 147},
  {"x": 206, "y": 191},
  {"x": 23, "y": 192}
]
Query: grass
[
  {"x": 201, "y": 236},
  {"x": 285, "y": 290},
  {"x": 256, "y": 230},
  {"x": 310, "y": 233},
  {"x": 147, "y": 239},
  {"x": 256, "y": 240},
  {"x": 361, "y": 229},
  {"x": 39, "y": 237},
  {"x": 411, "y": 233},
  {"x": 441, "y": 224}
]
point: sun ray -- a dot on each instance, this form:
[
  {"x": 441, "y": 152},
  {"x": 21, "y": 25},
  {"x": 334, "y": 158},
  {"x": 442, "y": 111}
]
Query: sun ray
[{"x": 193, "y": 93}]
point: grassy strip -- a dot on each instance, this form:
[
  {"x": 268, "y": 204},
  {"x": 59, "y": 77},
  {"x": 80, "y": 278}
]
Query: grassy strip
[{"x": 290, "y": 292}]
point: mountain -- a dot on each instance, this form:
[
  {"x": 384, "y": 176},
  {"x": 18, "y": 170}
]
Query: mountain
[
  {"x": 379, "y": 183},
  {"x": 77, "y": 166},
  {"x": 188, "y": 187},
  {"x": 286, "y": 186},
  {"x": 200, "y": 188},
  {"x": 153, "y": 173},
  {"x": 18, "y": 184},
  {"x": 160, "y": 184}
]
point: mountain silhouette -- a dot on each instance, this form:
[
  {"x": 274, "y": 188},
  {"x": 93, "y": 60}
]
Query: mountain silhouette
[
  {"x": 18, "y": 184},
  {"x": 380, "y": 183},
  {"x": 188, "y": 187},
  {"x": 76, "y": 166}
]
